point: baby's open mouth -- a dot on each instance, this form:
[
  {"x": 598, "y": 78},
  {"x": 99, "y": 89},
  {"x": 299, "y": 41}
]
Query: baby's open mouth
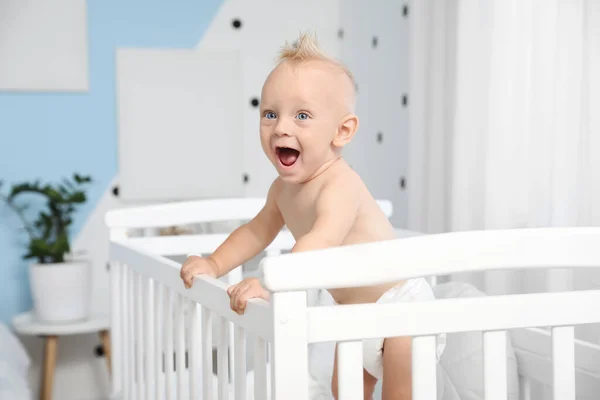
[{"x": 287, "y": 156}]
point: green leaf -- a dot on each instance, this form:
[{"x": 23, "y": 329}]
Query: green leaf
[
  {"x": 82, "y": 179},
  {"x": 48, "y": 234}
]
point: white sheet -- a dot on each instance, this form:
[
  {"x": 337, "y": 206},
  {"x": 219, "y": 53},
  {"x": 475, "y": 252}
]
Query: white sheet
[{"x": 14, "y": 365}]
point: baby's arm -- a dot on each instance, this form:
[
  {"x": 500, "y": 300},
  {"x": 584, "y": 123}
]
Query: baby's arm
[
  {"x": 243, "y": 244},
  {"x": 336, "y": 211},
  {"x": 250, "y": 239}
]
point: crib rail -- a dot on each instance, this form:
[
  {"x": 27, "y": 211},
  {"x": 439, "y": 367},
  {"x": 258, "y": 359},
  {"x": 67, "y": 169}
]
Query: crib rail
[
  {"x": 159, "y": 323},
  {"x": 452, "y": 315},
  {"x": 430, "y": 255},
  {"x": 184, "y": 212},
  {"x": 198, "y": 244},
  {"x": 208, "y": 243},
  {"x": 195, "y": 211}
]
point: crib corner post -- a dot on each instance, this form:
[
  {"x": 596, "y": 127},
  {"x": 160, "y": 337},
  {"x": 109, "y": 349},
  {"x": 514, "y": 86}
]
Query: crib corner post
[{"x": 290, "y": 346}]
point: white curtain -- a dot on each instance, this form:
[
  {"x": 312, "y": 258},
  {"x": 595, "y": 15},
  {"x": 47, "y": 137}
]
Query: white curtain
[{"x": 505, "y": 121}]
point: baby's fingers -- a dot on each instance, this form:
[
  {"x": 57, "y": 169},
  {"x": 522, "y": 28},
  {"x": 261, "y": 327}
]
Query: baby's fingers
[
  {"x": 232, "y": 289},
  {"x": 188, "y": 276},
  {"x": 241, "y": 299},
  {"x": 234, "y": 296},
  {"x": 185, "y": 276}
]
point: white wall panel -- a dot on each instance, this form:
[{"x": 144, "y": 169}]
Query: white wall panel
[
  {"x": 374, "y": 45},
  {"x": 179, "y": 126},
  {"x": 43, "y": 45}
]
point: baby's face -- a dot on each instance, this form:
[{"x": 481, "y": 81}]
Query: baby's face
[{"x": 301, "y": 109}]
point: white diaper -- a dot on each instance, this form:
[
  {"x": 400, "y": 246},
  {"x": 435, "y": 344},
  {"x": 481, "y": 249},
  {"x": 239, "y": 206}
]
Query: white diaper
[{"x": 412, "y": 290}]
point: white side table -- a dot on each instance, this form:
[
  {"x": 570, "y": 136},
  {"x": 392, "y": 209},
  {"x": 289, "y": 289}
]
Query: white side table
[{"x": 27, "y": 324}]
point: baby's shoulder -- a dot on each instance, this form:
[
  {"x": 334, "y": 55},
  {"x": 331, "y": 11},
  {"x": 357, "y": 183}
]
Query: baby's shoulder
[
  {"x": 346, "y": 180},
  {"x": 344, "y": 188},
  {"x": 275, "y": 188}
]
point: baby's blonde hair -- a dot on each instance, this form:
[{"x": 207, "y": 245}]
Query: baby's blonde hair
[{"x": 306, "y": 48}]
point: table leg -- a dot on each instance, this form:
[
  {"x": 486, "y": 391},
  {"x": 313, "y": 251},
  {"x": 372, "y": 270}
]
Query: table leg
[
  {"x": 50, "y": 346},
  {"x": 105, "y": 337}
]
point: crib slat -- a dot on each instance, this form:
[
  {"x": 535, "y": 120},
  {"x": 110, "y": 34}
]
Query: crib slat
[
  {"x": 150, "y": 340},
  {"x": 350, "y": 370},
  {"x": 116, "y": 326},
  {"x": 260, "y": 368},
  {"x": 158, "y": 341},
  {"x": 139, "y": 332},
  {"x": 271, "y": 367},
  {"x": 168, "y": 334},
  {"x": 233, "y": 277},
  {"x": 180, "y": 340},
  {"x": 193, "y": 350},
  {"x": 223, "y": 359},
  {"x": 239, "y": 348},
  {"x": 424, "y": 368},
  {"x": 563, "y": 363},
  {"x": 125, "y": 343},
  {"x": 131, "y": 340},
  {"x": 494, "y": 365},
  {"x": 207, "y": 356}
]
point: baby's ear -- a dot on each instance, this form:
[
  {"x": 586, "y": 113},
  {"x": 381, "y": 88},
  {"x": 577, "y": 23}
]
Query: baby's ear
[{"x": 346, "y": 130}]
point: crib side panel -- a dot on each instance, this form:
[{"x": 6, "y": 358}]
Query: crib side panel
[
  {"x": 158, "y": 364},
  {"x": 534, "y": 350}
]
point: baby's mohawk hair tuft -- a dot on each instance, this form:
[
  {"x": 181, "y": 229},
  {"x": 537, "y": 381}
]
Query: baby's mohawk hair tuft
[{"x": 304, "y": 48}]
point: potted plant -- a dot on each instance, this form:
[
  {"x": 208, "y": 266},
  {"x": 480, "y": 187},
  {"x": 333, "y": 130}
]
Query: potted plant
[{"x": 60, "y": 282}]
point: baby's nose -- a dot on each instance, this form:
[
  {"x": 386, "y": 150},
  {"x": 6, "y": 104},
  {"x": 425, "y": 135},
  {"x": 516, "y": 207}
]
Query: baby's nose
[{"x": 281, "y": 132}]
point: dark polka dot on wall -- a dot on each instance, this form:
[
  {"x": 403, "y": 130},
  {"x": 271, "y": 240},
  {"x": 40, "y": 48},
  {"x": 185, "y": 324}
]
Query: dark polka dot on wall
[
  {"x": 254, "y": 102},
  {"x": 237, "y": 24}
]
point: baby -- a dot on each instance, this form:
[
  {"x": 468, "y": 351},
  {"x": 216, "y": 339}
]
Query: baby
[{"x": 306, "y": 118}]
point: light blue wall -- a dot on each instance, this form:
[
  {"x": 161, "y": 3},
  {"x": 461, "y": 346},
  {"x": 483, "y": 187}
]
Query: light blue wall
[{"x": 51, "y": 135}]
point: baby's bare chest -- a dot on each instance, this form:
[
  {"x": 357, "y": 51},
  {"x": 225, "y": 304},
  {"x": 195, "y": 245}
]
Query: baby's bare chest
[{"x": 298, "y": 211}]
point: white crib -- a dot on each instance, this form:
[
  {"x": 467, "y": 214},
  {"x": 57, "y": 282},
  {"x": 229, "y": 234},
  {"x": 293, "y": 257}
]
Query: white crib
[{"x": 153, "y": 314}]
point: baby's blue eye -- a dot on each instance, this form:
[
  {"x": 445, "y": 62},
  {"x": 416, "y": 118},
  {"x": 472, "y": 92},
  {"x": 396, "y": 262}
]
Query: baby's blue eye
[
  {"x": 270, "y": 115},
  {"x": 303, "y": 116}
]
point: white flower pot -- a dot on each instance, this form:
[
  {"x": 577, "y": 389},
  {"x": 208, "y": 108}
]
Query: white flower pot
[{"x": 61, "y": 292}]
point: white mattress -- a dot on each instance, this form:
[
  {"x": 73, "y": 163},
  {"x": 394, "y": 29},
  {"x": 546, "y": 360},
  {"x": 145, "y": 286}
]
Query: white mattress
[{"x": 14, "y": 366}]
